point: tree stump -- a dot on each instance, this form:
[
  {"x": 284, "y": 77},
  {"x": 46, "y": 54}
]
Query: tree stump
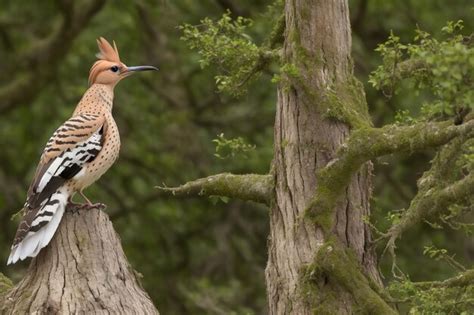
[{"x": 82, "y": 271}]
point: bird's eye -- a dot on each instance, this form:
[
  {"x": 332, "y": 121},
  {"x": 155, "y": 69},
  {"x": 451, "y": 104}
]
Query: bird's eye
[{"x": 114, "y": 69}]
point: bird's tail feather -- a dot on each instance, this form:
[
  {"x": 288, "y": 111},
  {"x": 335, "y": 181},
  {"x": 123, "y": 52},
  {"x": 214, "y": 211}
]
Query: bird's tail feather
[{"x": 34, "y": 241}]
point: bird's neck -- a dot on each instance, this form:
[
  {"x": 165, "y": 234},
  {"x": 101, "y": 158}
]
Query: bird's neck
[{"x": 98, "y": 99}]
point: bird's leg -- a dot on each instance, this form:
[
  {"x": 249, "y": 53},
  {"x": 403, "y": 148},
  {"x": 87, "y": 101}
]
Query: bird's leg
[
  {"x": 71, "y": 202},
  {"x": 91, "y": 205}
]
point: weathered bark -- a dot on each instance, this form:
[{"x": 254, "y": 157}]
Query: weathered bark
[
  {"x": 82, "y": 271},
  {"x": 314, "y": 116}
]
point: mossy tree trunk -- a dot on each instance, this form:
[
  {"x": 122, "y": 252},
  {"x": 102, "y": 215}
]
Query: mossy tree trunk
[
  {"x": 317, "y": 105},
  {"x": 82, "y": 271},
  {"x": 318, "y": 190}
]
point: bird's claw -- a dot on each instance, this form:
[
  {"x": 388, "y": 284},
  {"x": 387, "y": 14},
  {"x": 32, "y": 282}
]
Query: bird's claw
[
  {"x": 98, "y": 205},
  {"x": 75, "y": 207}
]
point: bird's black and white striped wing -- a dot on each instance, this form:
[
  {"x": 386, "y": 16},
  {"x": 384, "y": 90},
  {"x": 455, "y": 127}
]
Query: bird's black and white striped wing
[{"x": 77, "y": 142}]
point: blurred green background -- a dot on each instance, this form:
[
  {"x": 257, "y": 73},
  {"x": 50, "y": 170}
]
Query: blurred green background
[{"x": 197, "y": 256}]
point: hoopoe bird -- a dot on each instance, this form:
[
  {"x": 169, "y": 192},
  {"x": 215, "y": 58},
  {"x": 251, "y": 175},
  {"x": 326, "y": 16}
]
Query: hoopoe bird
[{"x": 80, "y": 151}]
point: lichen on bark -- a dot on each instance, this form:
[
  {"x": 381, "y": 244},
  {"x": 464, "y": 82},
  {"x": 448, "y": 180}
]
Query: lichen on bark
[
  {"x": 463, "y": 279},
  {"x": 339, "y": 266},
  {"x": 366, "y": 144},
  {"x": 438, "y": 188},
  {"x": 252, "y": 187},
  {"x": 5, "y": 285},
  {"x": 346, "y": 103}
]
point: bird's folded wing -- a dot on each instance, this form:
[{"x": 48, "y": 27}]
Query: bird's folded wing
[
  {"x": 77, "y": 142},
  {"x": 74, "y": 144}
]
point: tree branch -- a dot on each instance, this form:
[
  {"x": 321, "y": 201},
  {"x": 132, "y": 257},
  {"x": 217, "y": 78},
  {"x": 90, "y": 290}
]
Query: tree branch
[
  {"x": 268, "y": 51},
  {"x": 276, "y": 35},
  {"x": 432, "y": 201},
  {"x": 253, "y": 187},
  {"x": 368, "y": 143},
  {"x": 407, "y": 67},
  {"x": 438, "y": 188},
  {"x": 463, "y": 279}
]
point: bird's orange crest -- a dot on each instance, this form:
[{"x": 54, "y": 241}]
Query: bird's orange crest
[
  {"x": 107, "y": 55},
  {"x": 107, "y": 52}
]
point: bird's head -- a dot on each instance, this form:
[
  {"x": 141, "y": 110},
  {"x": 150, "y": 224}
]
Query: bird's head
[{"x": 109, "y": 69}]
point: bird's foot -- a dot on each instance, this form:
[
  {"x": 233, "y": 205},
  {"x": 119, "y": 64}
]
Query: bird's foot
[
  {"x": 97, "y": 205},
  {"x": 72, "y": 206},
  {"x": 75, "y": 207}
]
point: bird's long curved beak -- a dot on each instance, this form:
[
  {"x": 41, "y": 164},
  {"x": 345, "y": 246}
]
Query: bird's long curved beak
[{"x": 141, "y": 68}]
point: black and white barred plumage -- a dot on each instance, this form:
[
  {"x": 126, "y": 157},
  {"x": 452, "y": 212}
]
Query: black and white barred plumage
[{"x": 75, "y": 144}]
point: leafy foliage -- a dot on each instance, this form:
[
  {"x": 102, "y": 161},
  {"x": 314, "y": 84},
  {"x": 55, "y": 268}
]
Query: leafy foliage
[
  {"x": 442, "y": 72},
  {"x": 434, "y": 300},
  {"x": 286, "y": 73},
  {"x": 226, "y": 148},
  {"x": 403, "y": 117},
  {"x": 443, "y": 68},
  {"x": 442, "y": 254},
  {"x": 226, "y": 45}
]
